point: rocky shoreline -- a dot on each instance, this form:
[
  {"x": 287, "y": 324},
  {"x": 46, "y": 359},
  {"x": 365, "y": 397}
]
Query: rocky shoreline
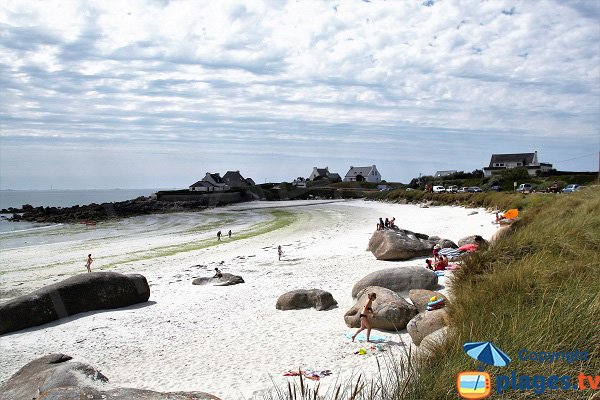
[{"x": 98, "y": 212}]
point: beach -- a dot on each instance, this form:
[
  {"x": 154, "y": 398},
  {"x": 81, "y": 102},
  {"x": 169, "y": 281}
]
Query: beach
[{"x": 228, "y": 341}]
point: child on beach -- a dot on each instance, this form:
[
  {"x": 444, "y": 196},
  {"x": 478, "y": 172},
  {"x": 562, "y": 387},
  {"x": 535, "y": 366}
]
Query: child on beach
[
  {"x": 218, "y": 273},
  {"x": 364, "y": 316},
  {"x": 89, "y": 263},
  {"x": 279, "y": 252}
]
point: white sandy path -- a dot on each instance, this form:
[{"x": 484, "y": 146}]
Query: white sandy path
[{"x": 230, "y": 341}]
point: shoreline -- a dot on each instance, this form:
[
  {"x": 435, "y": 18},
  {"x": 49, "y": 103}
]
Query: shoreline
[{"x": 237, "y": 328}]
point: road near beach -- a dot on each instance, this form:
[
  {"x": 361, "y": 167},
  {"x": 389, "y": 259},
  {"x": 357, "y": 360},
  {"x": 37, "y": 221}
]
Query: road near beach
[{"x": 228, "y": 341}]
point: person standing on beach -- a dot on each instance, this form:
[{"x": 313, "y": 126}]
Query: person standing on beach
[
  {"x": 279, "y": 252},
  {"x": 229, "y": 233},
  {"x": 88, "y": 264},
  {"x": 367, "y": 311},
  {"x": 219, "y": 236}
]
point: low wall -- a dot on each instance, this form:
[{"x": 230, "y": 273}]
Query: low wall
[{"x": 205, "y": 199}]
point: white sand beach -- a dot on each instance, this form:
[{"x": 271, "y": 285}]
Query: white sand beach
[{"x": 227, "y": 341}]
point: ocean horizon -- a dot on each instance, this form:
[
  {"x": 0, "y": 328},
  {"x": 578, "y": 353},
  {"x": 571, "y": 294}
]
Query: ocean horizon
[{"x": 69, "y": 197}]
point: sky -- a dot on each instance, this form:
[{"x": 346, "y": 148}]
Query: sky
[{"x": 155, "y": 93}]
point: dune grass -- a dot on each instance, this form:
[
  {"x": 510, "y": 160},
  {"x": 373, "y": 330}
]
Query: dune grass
[{"x": 536, "y": 289}]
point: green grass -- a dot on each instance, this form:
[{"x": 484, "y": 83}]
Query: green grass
[
  {"x": 280, "y": 219},
  {"x": 536, "y": 289}
]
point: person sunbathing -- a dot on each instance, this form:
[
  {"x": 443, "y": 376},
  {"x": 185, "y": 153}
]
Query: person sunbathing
[{"x": 442, "y": 263}]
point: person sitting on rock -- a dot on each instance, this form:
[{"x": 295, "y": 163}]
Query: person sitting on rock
[
  {"x": 381, "y": 224},
  {"x": 393, "y": 223},
  {"x": 436, "y": 252},
  {"x": 218, "y": 273}
]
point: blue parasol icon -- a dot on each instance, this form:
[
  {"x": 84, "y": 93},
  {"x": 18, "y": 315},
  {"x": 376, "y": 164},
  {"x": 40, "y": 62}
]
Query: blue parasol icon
[{"x": 487, "y": 353}]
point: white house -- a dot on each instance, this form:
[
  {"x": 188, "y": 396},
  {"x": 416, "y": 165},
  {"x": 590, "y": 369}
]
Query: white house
[
  {"x": 323, "y": 173},
  {"x": 501, "y": 162},
  {"x": 359, "y": 174},
  {"x": 210, "y": 183}
]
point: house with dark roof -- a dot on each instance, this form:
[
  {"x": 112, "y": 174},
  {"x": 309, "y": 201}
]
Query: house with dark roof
[
  {"x": 441, "y": 174},
  {"x": 235, "y": 180},
  {"x": 210, "y": 183},
  {"x": 323, "y": 173},
  {"x": 360, "y": 174},
  {"x": 529, "y": 161}
]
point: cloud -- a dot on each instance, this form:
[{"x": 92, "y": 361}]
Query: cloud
[{"x": 300, "y": 80}]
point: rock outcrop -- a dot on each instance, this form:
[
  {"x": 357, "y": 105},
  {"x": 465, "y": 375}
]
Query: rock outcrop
[
  {"x": 302, "y": 298},
  {"x": 55, "y": 376},
  {"x": 224, "y": 280},
  {"x": 80, "y": 293},
  {"x": 473, "y": 239},
  {"x": 420, "y": 298},
  {"x": 390, "y": 311},
  {"x": 399, "y": 244},
  {"x": 426, "y": 323},
  {"x": 398, "y": 279}
]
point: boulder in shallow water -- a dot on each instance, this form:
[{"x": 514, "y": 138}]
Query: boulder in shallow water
[
  {"x": 80, "y": 293},
  {"x": 56, "y": 377},
  {"x": 399, "y": 244},
  {"x": 224, "y": 280},
  {"x": 390, "y": 311},
  {"x": 302, "y": 298},
  {"x": 398, "y": 279}
]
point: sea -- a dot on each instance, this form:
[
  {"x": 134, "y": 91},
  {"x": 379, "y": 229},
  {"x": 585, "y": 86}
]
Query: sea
[{"x": 61, "y": 198}]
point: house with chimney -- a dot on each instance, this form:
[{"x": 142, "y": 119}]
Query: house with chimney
[
  {"x": 529, "y": 161},
  {"x": 363, "y": 174},
  {"x": 235, "y": 180},
  {"x": 210, "y": 183},
  {"x": 323, "y": 173}
]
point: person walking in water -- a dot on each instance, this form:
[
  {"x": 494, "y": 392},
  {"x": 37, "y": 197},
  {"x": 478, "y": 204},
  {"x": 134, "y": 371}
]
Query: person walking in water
[
  {"x": 367, "y": 311},
  {"x": 219, "y": 236},
  {"x": 88, "y": 264},
  {"x": 279, "y": 252}
]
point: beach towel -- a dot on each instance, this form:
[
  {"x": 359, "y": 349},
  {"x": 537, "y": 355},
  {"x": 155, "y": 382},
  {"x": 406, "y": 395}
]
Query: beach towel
[
  {"x": 469, "y": 248},
  {"x": 450, "y": 253},
  {"x": 374, "y": 337}
]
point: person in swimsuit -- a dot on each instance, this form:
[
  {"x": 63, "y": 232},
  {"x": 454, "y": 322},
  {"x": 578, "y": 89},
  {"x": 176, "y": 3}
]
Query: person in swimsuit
[
  {"x": 367, "y": 311},
  {"x": 218, "y": 273},
  {"x": 89, "y": 263}
]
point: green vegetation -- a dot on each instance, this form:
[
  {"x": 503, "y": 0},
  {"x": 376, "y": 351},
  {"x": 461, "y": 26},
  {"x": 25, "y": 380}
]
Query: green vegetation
[{"x": 536, "y": 288}]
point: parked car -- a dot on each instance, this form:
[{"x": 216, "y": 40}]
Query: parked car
[
  {"x": 573, "y": 187},
  {"x": 474, "y": 189},
  {"x": 439, "y": 189},
  {"x": 463, "y": 189},
  {"x": 452, "y": 189},
  {"x": 495, "y": 188},
  {"x": 524, "y": 188}
]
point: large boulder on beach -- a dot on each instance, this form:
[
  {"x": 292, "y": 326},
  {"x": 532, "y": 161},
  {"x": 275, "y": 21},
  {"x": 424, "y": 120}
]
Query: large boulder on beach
[
  {"x": 398, "y": 279},
  {"x": 56, "y": 376},
  {"x": 224, "y": 280},
  {"x": 302, "y": 298},
  {"x": 420, "y": 298},
  {"x": 399, "y": 244},
  {"x": 80, "y": 293},
  {"x": 390, "y": 311},
  {"x": 502, "y": 233},
  {"x": 473, "y": 239},
  {"x": 426, "y": 323}
]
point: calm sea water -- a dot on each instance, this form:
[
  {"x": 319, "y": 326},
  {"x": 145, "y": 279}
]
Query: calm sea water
[{"x": 68, "y": 198}]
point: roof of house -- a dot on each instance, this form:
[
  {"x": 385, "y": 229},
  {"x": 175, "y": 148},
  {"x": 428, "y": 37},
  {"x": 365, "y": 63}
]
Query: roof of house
[
  {"x": 250, "y": 181},
  {"x": 234, "y": 178},
  {"x": 525, "y": 158},
  {"x": 217, "y": 178},
  {"x": 202, "y": 184},
  {"x": 446, "y": 173},
  {"x": 334, "y": 176},
  {"x": 364, "y": 171}
]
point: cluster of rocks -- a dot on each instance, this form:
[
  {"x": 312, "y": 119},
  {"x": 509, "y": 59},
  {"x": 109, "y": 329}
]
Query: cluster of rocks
[
  {"x": 97, "y": 212},
  {"x": 55, "y": 376},
  {"x": 401, "y": 244}
]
